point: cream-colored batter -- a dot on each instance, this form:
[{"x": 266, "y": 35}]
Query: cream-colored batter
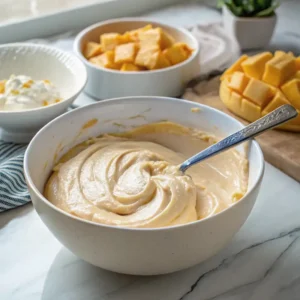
[{"x": 132, "y": 179}]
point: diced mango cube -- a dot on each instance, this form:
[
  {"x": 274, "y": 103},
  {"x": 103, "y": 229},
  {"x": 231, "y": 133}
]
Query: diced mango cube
[
  {"x": 235, "y": 102},
  {"x": 2, "y": 86},
  {"x": 258, "y": 92},
  {"x": 176, "y": 54},
  {"x": 125, "y": 53},
  {"x": 276, "y": 102},
  {"x": 125, "y": 38},
  {"x": 150, "y": 37},
  {"x": 226, "y": 77},
  {"x": 279, "y": 69},
  {"x": 250, "y": 111},
  {"x": 144, "y": 55},
  {"x": 185, "y": 47},
  {"x": 291, "y": 90},
  {"x": 279, "y": 53},
  {"x": 109, "y": 41},
  {"x": 105, "y": 60},
  {"x": 225, "y": 92},
  {"x": 158, "y": 61},
  {"x": 238, "y": 81},
  {"x": 155, "y": 36},
  {"x": 254, "y": 66},
  {"x": 237, "y": 66},
  {"x": 167, "y": 40},
  {"x": 298, "y": 63},
  {"x": 127, "y": 67},
  {"x": 297, "y": 75},
  {"x": 133, "y": 34},
  {"x": 236, "y": 98},
  {"x": 272, "y": 92},
  {"x": 92, "y": 49}
]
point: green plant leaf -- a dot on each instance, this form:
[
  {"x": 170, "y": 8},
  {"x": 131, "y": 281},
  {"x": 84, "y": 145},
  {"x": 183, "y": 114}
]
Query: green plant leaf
[
  {"x": 220, "y": 3},
  {"x": 256, "y": 5},
  {"x": 264, "y": 4},
  {"x": 224, "y": 2},
  {"x": 238, "y": 2},
  {"x": 268, "y": 11},
  {"x": 249, "y": 8},
  {"x": 236, "y": 10}
]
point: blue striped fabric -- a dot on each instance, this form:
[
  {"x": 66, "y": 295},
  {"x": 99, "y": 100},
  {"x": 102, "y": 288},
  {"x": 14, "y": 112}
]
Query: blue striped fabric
[{"x": 13, "y": 189}]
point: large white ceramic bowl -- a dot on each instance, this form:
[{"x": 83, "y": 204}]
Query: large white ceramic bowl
[
  {"x": 106, "y": 83},
  {"x": 136, "y": 251},
  {"x": 63, "y": 69}
]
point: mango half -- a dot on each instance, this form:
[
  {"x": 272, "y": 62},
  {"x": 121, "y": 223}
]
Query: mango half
[{"x": 256, "y": 85}]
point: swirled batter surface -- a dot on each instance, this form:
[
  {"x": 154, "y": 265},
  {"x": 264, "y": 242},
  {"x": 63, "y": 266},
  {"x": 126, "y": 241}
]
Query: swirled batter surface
[{"x": 132, "y": 179}]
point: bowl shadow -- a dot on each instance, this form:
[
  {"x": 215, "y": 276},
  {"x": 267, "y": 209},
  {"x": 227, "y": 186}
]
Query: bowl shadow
[{"x": 72, "y": 278}]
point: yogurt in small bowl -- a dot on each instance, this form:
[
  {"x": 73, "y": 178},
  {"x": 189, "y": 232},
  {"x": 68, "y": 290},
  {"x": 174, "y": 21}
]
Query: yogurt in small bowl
[
  {"x": 37, "y": 84},
  {"x": 21, "y": 92}
]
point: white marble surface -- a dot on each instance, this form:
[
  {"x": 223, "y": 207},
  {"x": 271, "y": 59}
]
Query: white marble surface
[
  {"x": 261, "y": 263},
  {"x": 21, "y": 9}
]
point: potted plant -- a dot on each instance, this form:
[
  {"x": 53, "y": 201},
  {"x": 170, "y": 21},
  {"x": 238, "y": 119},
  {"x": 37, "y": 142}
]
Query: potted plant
[{"x": 251, "y": 22}]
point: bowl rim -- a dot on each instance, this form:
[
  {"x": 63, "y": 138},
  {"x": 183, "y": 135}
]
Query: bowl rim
[
  {"x": 81, "y": 34},
  {"x": 43, "y": 47},
  {"x": 41, "y": 197}
]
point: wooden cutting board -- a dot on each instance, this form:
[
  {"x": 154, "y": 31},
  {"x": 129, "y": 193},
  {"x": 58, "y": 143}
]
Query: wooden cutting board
[{"x": 280, "y": 148}]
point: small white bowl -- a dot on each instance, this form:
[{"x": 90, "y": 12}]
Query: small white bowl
[
  {"x": 63, "y": 69},
  {"x": 106, "y": 83},
  {"x": 136, "y": 251}
]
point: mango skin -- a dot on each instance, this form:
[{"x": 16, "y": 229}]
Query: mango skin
[{"x": 276, "y": 82}]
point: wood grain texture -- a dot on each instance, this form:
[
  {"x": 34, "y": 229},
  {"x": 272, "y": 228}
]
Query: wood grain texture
[{"x": 280, "y": 148}]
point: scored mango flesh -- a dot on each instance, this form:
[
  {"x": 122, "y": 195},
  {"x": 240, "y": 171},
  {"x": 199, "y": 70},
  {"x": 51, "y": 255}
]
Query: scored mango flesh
[{"x": 254, "y": 86}]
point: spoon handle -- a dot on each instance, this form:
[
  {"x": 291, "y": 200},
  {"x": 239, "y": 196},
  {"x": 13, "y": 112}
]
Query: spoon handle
[{"x": 280, "y": 115}]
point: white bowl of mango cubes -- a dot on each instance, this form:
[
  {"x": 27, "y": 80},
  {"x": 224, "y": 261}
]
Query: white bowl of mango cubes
[{"x": 154, "y": 59}]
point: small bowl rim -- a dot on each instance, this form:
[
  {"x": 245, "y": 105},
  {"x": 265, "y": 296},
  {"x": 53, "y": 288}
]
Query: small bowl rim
[
  {"x": 42, "y": 198},
  {"x": 81, "y": 34},
  {"x": 43, "y": 47}
]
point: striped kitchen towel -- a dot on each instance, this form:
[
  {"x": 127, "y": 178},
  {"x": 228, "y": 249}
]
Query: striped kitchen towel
[{"x": 13, "y": 189}]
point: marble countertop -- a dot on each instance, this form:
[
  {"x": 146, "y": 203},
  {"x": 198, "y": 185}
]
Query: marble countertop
[
  {"x": 261, "y": 263},
  {"x": 22, "y": 9}
]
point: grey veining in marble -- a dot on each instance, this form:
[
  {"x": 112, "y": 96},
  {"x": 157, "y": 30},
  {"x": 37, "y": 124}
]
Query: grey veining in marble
[{"x": 261, "y": 263}]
